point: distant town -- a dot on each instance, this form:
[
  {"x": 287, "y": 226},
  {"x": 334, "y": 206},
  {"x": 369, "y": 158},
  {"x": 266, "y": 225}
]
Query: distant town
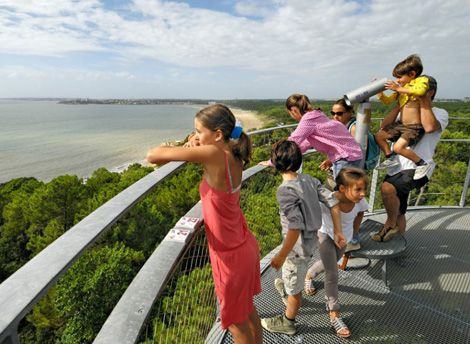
[{"x": 135, "y": 101}]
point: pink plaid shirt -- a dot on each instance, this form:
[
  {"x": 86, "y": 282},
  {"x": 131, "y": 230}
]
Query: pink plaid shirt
[{"x": 317, "y": 131}]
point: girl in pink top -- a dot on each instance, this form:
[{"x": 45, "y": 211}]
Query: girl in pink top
[
  {"x": 223, "y": 149},
  {"x": 317, "y": 131}
]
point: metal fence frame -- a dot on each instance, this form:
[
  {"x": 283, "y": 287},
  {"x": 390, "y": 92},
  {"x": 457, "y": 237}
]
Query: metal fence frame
[{"x": 24, "y": 288}]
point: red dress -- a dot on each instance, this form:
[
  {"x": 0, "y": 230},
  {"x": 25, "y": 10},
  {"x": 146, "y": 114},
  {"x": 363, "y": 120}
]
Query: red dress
[{"x": 233, "y": 251}]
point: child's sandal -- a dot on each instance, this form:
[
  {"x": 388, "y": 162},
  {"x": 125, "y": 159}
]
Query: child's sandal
[
  {"x": 309, "y": 288},
  {"x": 340, "y": 327}
]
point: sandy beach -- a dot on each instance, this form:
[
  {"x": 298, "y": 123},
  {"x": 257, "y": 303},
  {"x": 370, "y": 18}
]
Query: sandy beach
[{"x": 249, "y": 119}]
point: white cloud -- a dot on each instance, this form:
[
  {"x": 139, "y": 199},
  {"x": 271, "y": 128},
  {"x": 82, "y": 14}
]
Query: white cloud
[
  {"x": 321, "y": 40},
  {"x": 30, "y": 74}
]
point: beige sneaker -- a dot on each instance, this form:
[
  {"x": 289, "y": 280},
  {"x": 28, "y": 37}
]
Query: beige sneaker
[{"x": 279, "y": 324}]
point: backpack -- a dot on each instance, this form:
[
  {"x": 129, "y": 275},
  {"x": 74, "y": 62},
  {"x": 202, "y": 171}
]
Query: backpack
[{"x": 372, "y": 150}]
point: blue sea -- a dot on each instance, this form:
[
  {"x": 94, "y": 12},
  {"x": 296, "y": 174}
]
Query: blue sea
[{"x": 44, "y": 139}]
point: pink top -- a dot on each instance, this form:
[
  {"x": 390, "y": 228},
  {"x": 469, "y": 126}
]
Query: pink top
[
  {"x": 317, "y": 131},
  {"x": 233, "y": 251}
]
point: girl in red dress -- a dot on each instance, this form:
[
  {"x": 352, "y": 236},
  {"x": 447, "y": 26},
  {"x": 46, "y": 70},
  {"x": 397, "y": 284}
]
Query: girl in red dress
[{"x": 223, "y": 149}]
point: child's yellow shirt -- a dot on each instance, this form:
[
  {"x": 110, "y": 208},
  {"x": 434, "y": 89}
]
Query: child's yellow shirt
[{"x": 418, "y": 87}]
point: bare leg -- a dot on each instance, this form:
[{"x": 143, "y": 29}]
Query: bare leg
[
  {"x": 242, "y": 333},
  {"x": 293, "y": 305},
  {"x": 401, "y": 222},
  {"x": 255, "y": 326},
  {"x": 315, "y": 269},
  {"x": 391, "y": 204},
  {"x": 400, "y": 147},
  {"x": 381, "y": 139}
]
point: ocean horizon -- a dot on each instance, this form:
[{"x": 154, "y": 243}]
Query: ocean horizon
[{"x": 44, "y": 139}]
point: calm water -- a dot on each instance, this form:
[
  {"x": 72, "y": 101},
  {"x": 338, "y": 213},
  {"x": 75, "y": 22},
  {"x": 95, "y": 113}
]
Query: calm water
[{"x": 44, "y": 139}]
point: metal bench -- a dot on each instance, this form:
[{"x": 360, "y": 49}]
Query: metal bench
[{"x": 371, "y": 249}]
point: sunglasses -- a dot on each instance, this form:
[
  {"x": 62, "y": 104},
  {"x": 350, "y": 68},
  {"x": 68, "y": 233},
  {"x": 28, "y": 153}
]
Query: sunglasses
[{"x": 339, "y": 113}]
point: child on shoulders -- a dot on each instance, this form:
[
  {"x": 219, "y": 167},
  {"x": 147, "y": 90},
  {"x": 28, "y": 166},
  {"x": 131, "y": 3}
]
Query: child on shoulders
[
  {"x": 299, "y": 198},
  {"x": 408, "y": 130}
]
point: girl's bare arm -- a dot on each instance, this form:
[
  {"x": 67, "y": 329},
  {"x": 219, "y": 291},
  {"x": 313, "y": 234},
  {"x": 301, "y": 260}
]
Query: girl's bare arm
[{"x": 198, "y": 154}]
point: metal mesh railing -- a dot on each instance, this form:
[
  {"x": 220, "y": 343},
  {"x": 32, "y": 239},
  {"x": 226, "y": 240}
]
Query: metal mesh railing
[{"x": 186, "y": 310}]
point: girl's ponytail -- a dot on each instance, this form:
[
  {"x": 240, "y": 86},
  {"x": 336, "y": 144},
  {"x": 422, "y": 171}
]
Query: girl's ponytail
[{"x": 241, "y": 148}]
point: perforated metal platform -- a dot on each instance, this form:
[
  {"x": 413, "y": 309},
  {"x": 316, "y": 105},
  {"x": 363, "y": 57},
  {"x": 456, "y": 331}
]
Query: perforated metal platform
[{"x": 429, "y": 299}]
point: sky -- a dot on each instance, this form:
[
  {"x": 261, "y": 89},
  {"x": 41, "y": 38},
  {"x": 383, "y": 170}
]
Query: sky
[{"x": 226, "y": 49}]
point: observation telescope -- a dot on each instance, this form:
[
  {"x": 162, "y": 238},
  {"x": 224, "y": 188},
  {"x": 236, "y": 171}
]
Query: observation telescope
[{"x": 361, "y": 96}]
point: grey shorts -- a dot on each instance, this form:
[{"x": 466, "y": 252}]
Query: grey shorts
[{"x": 294, "y": 271}]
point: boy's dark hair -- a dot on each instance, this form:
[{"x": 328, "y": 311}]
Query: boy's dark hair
[
  {"x": 349, "y": 175},
  {"x": 432, "y": 85},
  {"x": 286, "y": 156},
  {"x": 411, "y": 64}
]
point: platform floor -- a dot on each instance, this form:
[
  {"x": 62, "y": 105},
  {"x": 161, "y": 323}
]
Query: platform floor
[{"x": 428, "y": 300}]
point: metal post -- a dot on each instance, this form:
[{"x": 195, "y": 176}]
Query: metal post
[
  {"x": 362, "y": 129},
  {"x": 362, "y": 126},
  {"x": 373, "y": 190},
  {"x": 421, "y": 192},
  {"x": 465, "y": 187}
]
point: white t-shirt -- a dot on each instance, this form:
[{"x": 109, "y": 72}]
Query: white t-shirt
[
  {"x": 347, "y": 220},
  {"x": 425, "y": 147}
]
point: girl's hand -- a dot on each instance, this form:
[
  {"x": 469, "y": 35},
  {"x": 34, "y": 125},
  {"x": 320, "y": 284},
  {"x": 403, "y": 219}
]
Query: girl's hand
[
  {"x": 325, "y": 165},
  {"x": 265, "y": 163},
  {"x": 193, "y": 141},
  {"x": 277, "y": 261},
  {"x": 340, "y": 240}
]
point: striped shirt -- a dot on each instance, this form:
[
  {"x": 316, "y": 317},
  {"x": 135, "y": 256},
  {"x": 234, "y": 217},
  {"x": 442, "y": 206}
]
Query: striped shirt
[{"x": 317, "y": 131}]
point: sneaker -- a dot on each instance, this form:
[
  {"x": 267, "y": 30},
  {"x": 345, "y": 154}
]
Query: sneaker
[
  {"x": 356, "y": 239},
  {"x": 352, "y": 247},
  {"x": 279, "y": 285},
  {"x": 422, "y": 171},
  {"x": 387, "y": 163},
  {"x": 279, "y": 324}
]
